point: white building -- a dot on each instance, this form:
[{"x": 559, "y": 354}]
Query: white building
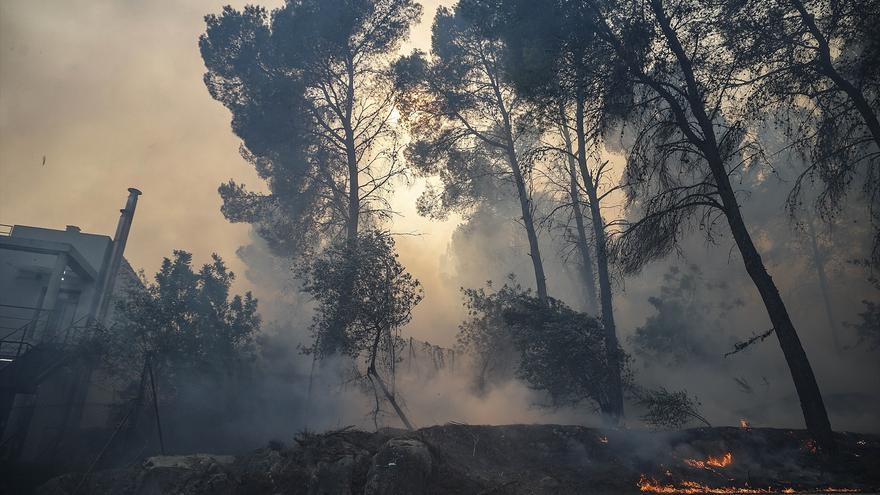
[{"x": 55, "y": 287}]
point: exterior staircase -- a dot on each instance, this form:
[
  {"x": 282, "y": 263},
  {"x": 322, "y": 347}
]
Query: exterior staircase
[{"x": 25, "y": 363}]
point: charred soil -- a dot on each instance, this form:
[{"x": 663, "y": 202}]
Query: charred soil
[{"x": 515, "y": 459}]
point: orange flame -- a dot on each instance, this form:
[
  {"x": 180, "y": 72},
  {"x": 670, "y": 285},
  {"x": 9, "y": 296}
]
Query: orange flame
[
  {"x": 653, "y": 486},
  {"x": 743, "y": 423},
  {"x": 711, "y": 461}
]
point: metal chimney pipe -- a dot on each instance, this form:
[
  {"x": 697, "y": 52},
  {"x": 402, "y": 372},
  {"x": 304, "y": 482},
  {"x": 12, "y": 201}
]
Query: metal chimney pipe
[{"x": 118, "y": 248}]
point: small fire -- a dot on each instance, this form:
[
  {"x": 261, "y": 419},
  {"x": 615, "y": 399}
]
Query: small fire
[
  {"x": 743, "y": 423},
  {"x": 711, "y": 461},
  {"x": 603, "y": 439},
  {"x": 810, "y": 446},
  {"x": 653, "y": 486}
]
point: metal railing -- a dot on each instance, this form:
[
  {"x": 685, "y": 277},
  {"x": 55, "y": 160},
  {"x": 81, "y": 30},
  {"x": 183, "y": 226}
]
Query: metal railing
[{"x": 22, "y": 328}]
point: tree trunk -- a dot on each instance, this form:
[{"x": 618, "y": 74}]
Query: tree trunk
[
  {"x": 354, "y": 206},
  {"x": 611, "y": 343},
  {"x": 525, "y": 204},
  {"x": 374, "y": 377},
  {"x": 588, "y": 277},
  {"x": 391, "y": 400},
  {"x": 823, "y": 286},
  {"x": 812, "y": 405},
  {"x": 334, "y": 339}
]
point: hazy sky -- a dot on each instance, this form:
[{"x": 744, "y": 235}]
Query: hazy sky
[{"x": 111, "y": 93}]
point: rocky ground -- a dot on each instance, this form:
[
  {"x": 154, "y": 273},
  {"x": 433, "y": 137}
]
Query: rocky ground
[{"x": 516, "y": 459}]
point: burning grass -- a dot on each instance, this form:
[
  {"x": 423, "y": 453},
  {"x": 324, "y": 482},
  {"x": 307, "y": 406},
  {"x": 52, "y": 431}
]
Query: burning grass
[
  {"x": 650, "y": 485},
  {"x": 716, "y": 462},
  {"x": 746, "y": 460}
]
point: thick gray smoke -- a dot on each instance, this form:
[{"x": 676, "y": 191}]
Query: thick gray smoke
[{"x": 708, "y": 304}]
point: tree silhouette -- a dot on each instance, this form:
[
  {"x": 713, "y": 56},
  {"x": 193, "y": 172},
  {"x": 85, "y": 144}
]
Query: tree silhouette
[
  {"x": 467, "y": 120},
  {"x": 565, "y": 69},
  {"x": 552, "y": 348},
  {"x": 686, "y": 150},
  {"x": 187, "y": 319},
  {"x": 868, "y": 327},
  {"x": 310, "y": 98},
  {"x": 377, "y": 302},
  {"x": 197, "y": 341},
  {"x": 814, "y": 67}
]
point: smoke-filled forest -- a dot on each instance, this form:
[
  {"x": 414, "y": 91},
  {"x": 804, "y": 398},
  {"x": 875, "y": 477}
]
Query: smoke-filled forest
[{"x": 466, "y": 246}]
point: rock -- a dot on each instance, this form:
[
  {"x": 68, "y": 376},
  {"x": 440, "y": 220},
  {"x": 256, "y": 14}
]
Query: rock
[
  {"x": 401, "y": 467},
  {"x": 186, "y": 475},
  {"x": 333, "y": 478},
  {"x": 194, "y": 461}
]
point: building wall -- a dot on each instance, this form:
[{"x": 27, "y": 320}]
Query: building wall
[
  {"x": 24, "y": 276},
  {"x": 74, "y": 397},
  {"x": 93, "y": 247}
]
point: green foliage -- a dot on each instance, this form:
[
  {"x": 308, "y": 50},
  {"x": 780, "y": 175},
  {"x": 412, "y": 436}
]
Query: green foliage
[
  {"x": 364, "y": 296},
  {"x": 198, "y": 343},
  {"x": 554, "y": 55},
  {"x": 264, "y": 100},
  {"x": 310, "y": 100},
  {"x": 187, "y": 321},
  {"x": 464, "y": 115},
  {"x": 563, "y": 352},
  {"x": 485, "y": 334},
  {"x": 557, "y": 350}
]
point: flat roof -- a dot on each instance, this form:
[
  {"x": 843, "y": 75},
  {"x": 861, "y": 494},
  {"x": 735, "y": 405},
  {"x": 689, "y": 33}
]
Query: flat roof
[
  {"x": 93, "y": 247},
  {"x": 75, "y": 260}
]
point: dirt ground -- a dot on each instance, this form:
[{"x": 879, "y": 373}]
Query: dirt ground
[{"x": 514, "y": 459}]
